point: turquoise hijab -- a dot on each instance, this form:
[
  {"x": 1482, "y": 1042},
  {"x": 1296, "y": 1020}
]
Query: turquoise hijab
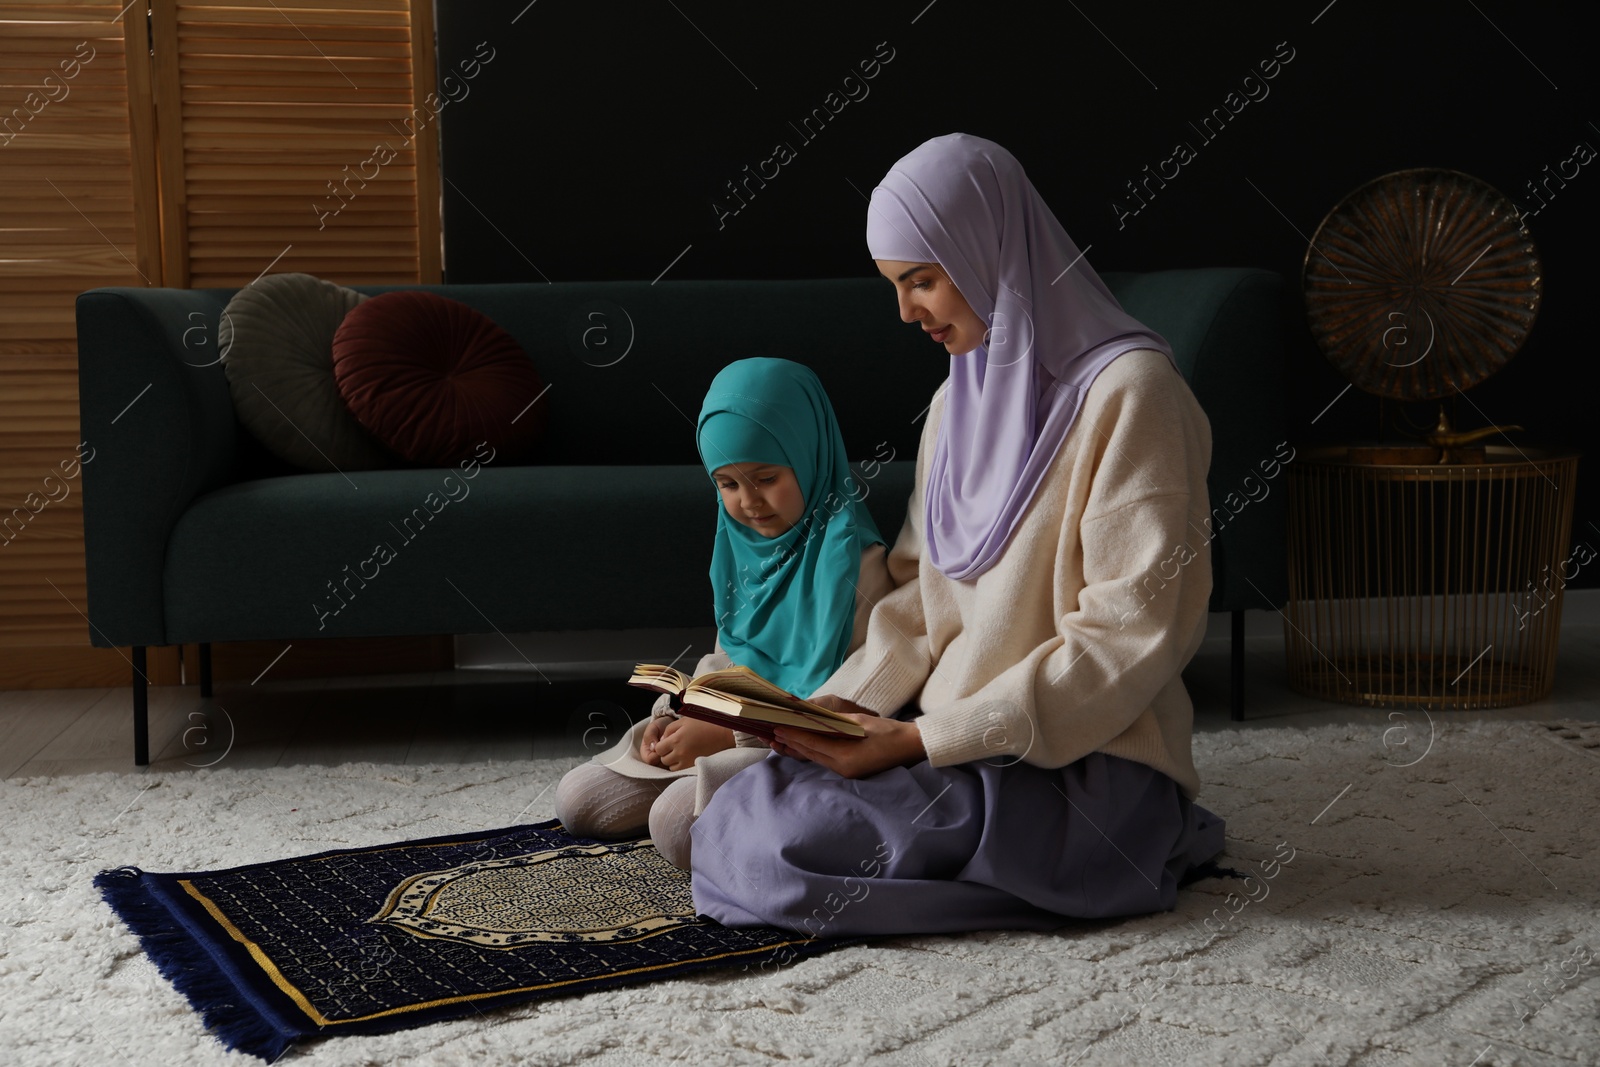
[{"x": 785, "y": 605}]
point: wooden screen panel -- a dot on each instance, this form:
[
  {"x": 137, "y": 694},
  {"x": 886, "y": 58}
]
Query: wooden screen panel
[
  {"x": 67, "y": 223},
  {"x": 290, "y": 140},
  {"x": 196, "y": 165}
]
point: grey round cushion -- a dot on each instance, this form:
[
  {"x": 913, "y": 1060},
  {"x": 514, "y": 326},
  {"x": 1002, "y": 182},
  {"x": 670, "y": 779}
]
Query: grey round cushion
[{"x": 276, "y": 339}]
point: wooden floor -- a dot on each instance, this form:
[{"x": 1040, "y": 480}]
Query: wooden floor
[{"x": 475, "y": 716}]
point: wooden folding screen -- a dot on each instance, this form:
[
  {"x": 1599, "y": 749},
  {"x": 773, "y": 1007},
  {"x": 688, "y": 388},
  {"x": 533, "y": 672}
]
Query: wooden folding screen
[
  {"x": 285, "y": 130},
  {"x": 68, "y": 222},
  {"x": 182, "y": 144}
]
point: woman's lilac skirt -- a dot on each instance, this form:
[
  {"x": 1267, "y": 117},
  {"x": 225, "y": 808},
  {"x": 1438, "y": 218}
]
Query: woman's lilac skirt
[{"x": 925, "y": 849}]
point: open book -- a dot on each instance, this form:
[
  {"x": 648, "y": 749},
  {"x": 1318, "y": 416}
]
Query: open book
[{"x": 741, "y": 699}]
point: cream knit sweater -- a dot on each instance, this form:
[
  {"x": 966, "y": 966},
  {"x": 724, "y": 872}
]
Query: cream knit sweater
[{"x": 1072, "y": 642}]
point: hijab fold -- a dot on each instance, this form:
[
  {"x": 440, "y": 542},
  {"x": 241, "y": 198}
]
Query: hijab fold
[
  {"x": 785, "y": 605},
  {"x": 964, "y": 203}
]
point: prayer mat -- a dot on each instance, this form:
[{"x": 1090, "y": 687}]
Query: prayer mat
[{"x": 370, "y": 940}]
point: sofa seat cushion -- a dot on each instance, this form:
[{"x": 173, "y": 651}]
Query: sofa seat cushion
[
  {"x": 431, "y": 377},
  {"x": 276, "y": 338},
  {"x": 433, "y": 551}
]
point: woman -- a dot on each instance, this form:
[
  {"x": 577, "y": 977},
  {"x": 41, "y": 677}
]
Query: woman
[{"x": 1028, "y": 734}]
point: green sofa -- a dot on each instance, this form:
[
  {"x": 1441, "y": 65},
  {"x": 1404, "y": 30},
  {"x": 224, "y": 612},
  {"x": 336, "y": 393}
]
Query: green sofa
[{"x": 194, "y": 534}]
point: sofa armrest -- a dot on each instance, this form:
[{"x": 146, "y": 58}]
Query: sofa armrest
[
  {"x": 154, "y": 406},
  {"x": 1227, "y": 327},
  {"x": 1238, "y": 377}
]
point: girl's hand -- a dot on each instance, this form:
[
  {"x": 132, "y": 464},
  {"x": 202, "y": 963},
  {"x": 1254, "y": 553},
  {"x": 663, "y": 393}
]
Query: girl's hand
[
  {"x": 686, "y": 740},
  {"x": 652, "y": 735},
  {"x": 889, "y": 743}
]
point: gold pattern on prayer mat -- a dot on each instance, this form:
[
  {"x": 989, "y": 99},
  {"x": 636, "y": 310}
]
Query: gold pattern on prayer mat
[{"x": 603, "y": 892}]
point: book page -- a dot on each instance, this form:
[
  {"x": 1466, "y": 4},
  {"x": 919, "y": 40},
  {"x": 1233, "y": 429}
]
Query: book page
[
  {"x": 747, "y": 712},
  {"x": 741, "y": 694},
  {"x": 657, "y": 676},
  {"x": 746, "y": 684}
]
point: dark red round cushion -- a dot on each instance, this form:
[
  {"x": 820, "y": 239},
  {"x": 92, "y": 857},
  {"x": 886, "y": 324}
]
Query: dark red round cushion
[{"x": 431, "y": 378}]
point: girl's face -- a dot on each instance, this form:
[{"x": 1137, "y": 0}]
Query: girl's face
[
  {"x": 763, "y": 496},
  {"x": 928, "y": 296}
]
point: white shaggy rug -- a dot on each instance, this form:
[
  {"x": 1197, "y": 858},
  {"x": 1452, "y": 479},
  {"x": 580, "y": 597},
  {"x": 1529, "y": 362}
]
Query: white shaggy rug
[{"x": 1439, "y": 907}]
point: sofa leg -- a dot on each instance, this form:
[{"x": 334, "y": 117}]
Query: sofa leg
[
  {"x": 141, "y": 709},
  {"x": 1236, "y": 681},
  {"x": 205, "y": 669}
]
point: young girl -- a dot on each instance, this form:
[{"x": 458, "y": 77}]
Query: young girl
[
  {"x": 795, "y": 568},
  {"x": 1028, "y": 740}
]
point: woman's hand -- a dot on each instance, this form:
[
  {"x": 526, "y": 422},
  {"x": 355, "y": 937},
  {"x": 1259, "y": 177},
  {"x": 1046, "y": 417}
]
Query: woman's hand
[
  {"x": 889, "y": 743},
  {"x": 685, "y": 740}
]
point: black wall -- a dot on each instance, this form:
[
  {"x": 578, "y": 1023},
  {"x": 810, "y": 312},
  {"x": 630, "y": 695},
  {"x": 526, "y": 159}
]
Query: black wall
[{"x": 598, "y": 141}]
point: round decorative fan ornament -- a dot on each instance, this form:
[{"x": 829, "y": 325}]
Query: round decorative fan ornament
[{"x": 1421, "y": 283}]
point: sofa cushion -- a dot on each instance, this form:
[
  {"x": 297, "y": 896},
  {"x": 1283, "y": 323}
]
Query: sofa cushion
[
  {"x": 433, "y": 379},
  {"x": 276, "y": 339}
]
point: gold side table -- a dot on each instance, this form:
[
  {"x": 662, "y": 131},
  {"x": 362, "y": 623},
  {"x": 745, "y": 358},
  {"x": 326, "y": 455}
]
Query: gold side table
[{"x": 1426, "y": 584}]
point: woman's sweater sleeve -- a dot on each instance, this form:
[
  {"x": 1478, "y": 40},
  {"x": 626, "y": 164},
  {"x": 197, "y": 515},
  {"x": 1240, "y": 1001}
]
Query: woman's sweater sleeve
[
  {"x": 1129, "y": 615},
  {"x": 1074, "y": 693},
  {"x": 889, "y": 668}
]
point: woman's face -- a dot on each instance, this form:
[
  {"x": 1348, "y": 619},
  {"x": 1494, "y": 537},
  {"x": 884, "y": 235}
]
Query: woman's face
[
  {"x": 762, "y": 496},
  {"x": 928, "y": 296}
]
